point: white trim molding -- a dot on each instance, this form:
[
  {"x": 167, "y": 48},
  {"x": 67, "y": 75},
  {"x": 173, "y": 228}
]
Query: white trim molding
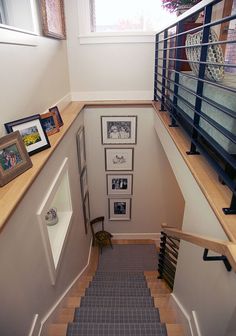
[
  {"x": 57, "y": 303},
  {"x": 154, "y": 236},
  {"x": 111, "y": 95}
]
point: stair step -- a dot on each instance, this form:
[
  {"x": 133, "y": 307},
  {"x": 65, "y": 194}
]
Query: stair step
[
  {"x": 116, "y": 329},
  {"x": 118, "y": 284},
  {"x": 175, "y": 330},
  {"x": 116, "y": 291},
  {"x": 98, "y": 301},
  {"x": 59, "y": 329},
  {"x": 116, "y": 315},
  {"x": 134, "y": 276}
]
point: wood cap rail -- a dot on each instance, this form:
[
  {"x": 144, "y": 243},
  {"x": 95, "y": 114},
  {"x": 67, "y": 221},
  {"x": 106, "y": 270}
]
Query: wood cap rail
[{"x": 223, "y": 247}]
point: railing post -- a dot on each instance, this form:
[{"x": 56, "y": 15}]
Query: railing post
[
  {"x": 201, "y": 75},
  {"x": 161, "y": 255},
  {"x": 156, "y": 66},
  {"x": 163, "y": 89}
]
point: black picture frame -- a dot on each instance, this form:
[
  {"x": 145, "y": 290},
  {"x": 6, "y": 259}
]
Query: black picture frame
[{"x": 32, "y": 133}]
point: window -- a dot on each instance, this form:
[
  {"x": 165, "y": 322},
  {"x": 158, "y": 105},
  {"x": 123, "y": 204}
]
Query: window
[
  {"x": 99, "y": 18},
  {"x": 19, "y": 15}
]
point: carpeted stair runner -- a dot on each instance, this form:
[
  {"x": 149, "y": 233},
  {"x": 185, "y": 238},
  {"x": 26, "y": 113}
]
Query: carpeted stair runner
[{"x": 118, "y": 301}]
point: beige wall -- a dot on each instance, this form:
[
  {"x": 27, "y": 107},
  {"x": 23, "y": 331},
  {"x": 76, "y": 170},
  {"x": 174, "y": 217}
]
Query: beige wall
[
  {"x": 32, "y": 78},
  {"x": 25, "y": 283},
  {"x": 203, "y": 287},
  {"x": 152, "y": 175},
  {"x": 107, "y": 71}
]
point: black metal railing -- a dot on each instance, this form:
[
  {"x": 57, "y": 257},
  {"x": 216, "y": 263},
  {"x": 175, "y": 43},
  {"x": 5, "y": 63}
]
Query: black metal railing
[
  {"x": 199, "y": 90},
  {"x": 167, "y": 260}
]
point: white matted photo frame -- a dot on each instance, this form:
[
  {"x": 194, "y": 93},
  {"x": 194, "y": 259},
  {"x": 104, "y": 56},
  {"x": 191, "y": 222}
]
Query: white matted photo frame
[
  {"x": 86, "y": 212},
  {"x": 84, "y": 182},
  {"x": 119, "y": 159},
  {"x": 33, "y": 135},
  {"x": 119, "y": 130},
  {"x": 121, "y": 184},
  {"x": 119, "y": 209},
  {"x": 14, "y": 159},
  {"x": 80, "y": 139}
]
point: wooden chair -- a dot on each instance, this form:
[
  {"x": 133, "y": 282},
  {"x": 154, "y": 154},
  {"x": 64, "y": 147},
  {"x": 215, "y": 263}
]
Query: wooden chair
[{"x": 101, "y": 237}]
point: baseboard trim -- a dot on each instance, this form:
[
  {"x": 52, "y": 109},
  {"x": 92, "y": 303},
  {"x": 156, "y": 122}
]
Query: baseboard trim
[
  {"x": 111, "y": 95},
  {"x": 184, "y": 316},
  {"x": 138, "y": 236},
  {"x": 55, "y": 306},
  {"x": 62, "y": 103}
]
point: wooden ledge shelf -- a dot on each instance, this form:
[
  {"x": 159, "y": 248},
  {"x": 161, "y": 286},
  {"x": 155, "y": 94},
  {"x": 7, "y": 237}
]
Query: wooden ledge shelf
[{"x": 217, "y": 195}]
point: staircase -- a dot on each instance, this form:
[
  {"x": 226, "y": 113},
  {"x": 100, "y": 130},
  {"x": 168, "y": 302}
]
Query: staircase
[{"x": 118, "y": 303}]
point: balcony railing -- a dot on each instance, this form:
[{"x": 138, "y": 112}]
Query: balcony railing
[{"x": 195, "y": 81}]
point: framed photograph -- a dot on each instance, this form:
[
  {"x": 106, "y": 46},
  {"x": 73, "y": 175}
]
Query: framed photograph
[
  {"x": 14, "y": 159},
  {"x": 119, "y": 159},
  {"x": 53, "y": 18},
  {"x": 86, "y": 211},
  {"x": 80, "y": 137},
  {"x": 50, "y": 123},
  {"x": 119, "y": 130},
  {"x": 84, "y": 182},
  {"x": 119, "y": 208},
  {"x": 58, "y": 115},
  {"x": 32, "y": 133},
  {"x": 120, "y": 184}
]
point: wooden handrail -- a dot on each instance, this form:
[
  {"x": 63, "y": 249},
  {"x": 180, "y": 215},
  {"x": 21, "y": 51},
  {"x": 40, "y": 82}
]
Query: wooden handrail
[{"x": 222, "y": 247}]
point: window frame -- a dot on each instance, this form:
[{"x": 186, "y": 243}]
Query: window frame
[{"x": 87, "y": 37}]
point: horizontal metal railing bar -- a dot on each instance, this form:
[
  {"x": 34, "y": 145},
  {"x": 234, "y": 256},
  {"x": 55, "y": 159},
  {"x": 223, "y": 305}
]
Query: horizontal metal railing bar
[
  {"x": 173, "y": 261},
  {"x": 220, "y": 150},
  {"x": 228, "y": 65},
  {"x": 229, "y": 135},
  {"x": 169, "y": 242},
  {"x": 171, "y": 269},
  {"x": 222, "y": 108},
  {"x": 197, "y": 45},
  {"x": 212, "y": 103},
  {"x": 170, "y": 248},
  {"x": 198, "y": 9},
  {"x": 224, "y": 87},
  {"x": 210, "y": 24}
]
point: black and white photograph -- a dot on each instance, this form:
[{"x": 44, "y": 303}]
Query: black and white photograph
[
  {"x": 86, "y": 212},
  {"x": 84, "y": 182},
  {"x": 119, "y": 208},
  {"x": 120, "y": 184},
  {"x": 120, "y": 159},
  {"x": 119, "y": 130}
]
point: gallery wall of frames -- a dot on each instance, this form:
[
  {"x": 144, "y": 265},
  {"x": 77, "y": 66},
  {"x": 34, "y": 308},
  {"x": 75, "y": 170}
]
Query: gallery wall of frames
[{"x": 120, "y": 131}]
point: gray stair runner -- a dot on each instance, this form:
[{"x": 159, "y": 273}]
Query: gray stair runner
[{"x": 118, "y": 302}]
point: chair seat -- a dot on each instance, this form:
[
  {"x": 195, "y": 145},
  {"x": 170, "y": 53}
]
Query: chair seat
[{"x": 103, "y": 235}]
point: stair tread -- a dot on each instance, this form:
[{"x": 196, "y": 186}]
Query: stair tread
[
  {"x": 107, "y": 301},
  {"x": 118, "y": 283},
  {"x": 116, "y": 329},
  {"x": 116, "y": 291},
  {"x": 116, "y": 315}
]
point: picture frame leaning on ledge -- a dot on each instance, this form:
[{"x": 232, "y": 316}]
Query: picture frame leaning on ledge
[{"x": 14, "y": 159}]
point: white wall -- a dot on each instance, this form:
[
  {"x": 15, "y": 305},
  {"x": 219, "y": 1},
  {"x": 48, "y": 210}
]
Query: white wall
[
  {"x": 32, "y": 78},
  {"x": 25, "y": 283},
  {"x": 107, "y": 71},
  {"x": 152, "y": 175},
  {"x": 205, "y": 287}
]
